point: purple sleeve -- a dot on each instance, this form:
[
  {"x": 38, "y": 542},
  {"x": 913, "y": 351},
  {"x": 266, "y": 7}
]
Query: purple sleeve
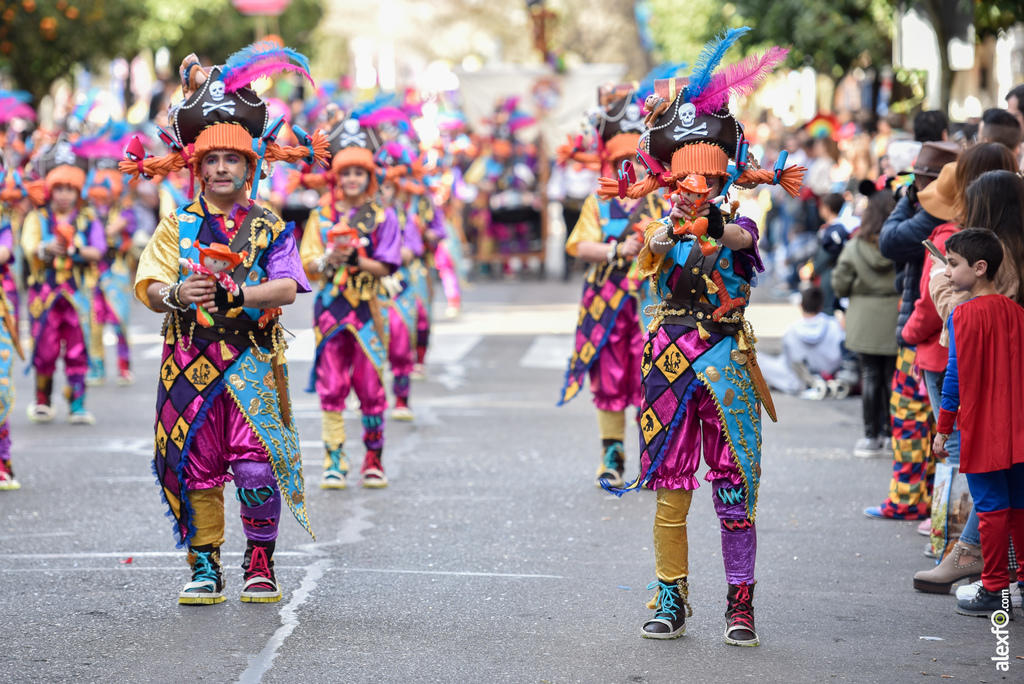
[
  {"x": 133, "y": 223},
  {"x": 412, "y": 239},
  {"x": 283, "y": 262},
  {"x": 97, "y": 236},
  {"x": 752, "y": 253},
  {"x": 7, "y": 238},
  {"x": 389, "y": 241},
  {"x": 437, "y": 224}
]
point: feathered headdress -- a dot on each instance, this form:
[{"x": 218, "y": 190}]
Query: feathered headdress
[
  {"x": 690, "y": 129},
  {"x": 14, "y": 104},
  {"x": 223, "y": 112}
]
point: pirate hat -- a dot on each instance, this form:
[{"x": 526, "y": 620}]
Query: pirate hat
[
  {"x": 696, "y": 133},
  {"x": 225, "y": 113},
  {"x": 60, "y": 163},
  {"x": 619, "y": 121}
]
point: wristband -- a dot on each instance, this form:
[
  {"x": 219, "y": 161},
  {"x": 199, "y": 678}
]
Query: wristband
[
  {"x": 613, "y": 248},
  {"x": 716, "y": 222}
]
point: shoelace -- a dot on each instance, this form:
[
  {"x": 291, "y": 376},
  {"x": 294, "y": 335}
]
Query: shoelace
[
  {"x": 335, "y": 456},
  {"x": 259, "y": 566},
  {"x": 202, "y": 570},
  {"x": 254, "y": 497},
  {"x": 610, "y": 462},
  {"x": 667, "y": 594},
  {"x": 741, "y": 612}
]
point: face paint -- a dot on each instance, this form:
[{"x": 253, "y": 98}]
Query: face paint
[{"x": 238, "y": 182}]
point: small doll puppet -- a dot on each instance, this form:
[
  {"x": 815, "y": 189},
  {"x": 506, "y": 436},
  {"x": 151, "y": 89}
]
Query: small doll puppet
[
  {"x": 216, "y": 261},
  {"x": 695, "y": 189},
  {"x": 341, "y": 237}
]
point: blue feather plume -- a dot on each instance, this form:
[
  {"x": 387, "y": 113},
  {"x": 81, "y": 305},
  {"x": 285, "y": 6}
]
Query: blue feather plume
[{"x": 709, "y": 59}]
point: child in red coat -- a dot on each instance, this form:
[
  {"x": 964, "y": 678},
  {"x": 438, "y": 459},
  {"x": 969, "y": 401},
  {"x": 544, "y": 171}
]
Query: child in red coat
[{"x": 986, "y": 401}]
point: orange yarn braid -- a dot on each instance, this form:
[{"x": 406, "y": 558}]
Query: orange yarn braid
[
  {"x": 609, "y": 188},
  {"x": 153, "y": 166},
  {"x": 791, "y": 179},
  {"x": 36, "y": 192},
  {"x": 319, "y": 144}
]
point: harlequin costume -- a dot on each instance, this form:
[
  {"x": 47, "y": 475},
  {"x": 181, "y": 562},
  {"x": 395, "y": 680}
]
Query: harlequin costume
[
  {"x": 985, "y": 402},
  {"x": 609, "y": 337},
  {"x": 350, "y": 321},
  {"x": 428, "y": 221},
  {"x": 222, "y": 409},
  {"x": 702, "y": 390},
  {"x": 112, "y": 298},
  {"x": 406, "y": 285},
  {"x": 60, "y": 288},
  {"x": 12, "y": 191}
]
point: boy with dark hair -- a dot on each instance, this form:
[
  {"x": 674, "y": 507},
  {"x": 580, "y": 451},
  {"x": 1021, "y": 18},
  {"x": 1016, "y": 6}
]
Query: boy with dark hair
[
  {"x": 1000, "y": 126},
  {"x": 931, "y": 126},
  {"x": 985, "y": 402},
  {"x": 1014, "y": 100},
  {"x": 833, "y": 236}
]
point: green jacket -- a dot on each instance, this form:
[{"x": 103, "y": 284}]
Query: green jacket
[{"x": 869, "y": 280}]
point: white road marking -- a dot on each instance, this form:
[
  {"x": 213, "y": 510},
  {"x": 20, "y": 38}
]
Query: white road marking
[
  {"x": 263, "y": 661},
  {"x": 548, "y": 351},
  {"x": 454, "y": 573},
  {"x": 128, "y": 554},
  {"x": 451, "y": 348}
]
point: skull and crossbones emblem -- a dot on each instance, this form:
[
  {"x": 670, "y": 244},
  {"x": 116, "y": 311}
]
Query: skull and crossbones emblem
[
  {"x": 216, "y": 91},
  {"x": 351, "y": 135},
  {"x": 687, "y": 117},
  {"x": 63, "y": 154},
  {"x": 631, "y": 121}
]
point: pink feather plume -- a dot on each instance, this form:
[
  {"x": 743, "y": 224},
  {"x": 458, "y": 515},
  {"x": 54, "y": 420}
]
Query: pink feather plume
[
  {"x": 741, "y": 78},
  {"x": 264, "y": 58}
]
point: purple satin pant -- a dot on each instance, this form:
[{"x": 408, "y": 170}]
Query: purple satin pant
[
  {"x": 343, "y": 366},
  {"x": 61, "y": 327},
  {"x": 615, "y": 376}
]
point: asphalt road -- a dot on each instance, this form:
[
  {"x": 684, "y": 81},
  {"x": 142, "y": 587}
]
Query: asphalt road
[{"x": 490, "y": 558}]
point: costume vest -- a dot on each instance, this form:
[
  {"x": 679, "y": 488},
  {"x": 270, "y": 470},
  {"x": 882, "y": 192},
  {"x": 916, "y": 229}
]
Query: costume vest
[
  {"x": 69, "y": 277},
  {"x": 237, "y": 355},
  {"x": 607, "y": 289},
  {"x": 352, "y": 301}
]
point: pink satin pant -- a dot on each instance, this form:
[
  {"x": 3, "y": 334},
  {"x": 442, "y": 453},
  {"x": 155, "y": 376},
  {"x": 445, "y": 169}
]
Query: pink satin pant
[
  {"x": 400, "y": 347},
  {"x": 61, "y": 327},
  {"x": 615, "y": 376},
  {"x": 343, "y": 366},
  {"x": 699, "y": 429},
  {"x": 446, "y": 270},
  {"x": 223, "y": 439}
]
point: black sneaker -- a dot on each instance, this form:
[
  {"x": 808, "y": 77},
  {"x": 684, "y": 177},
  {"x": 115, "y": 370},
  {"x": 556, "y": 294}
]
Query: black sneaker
[
  {"x": 673, "y": 606},
  {"x": 985, "y": 603},
  {"x": 612, "y": 464},
  {"x": 260, "y": 583},
  {"x": 739, "y": 616},
  {"x": 207, "y": 585}
]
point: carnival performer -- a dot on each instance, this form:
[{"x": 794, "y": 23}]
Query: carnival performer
[
  {"x": 701, "y": 384},
  {"x": 349, "y": 244},
  {"x": 62, "y": 241},
  {"x": 428, "y": 221},
  {"x": 112, "y": 299},
  {"x": 222, "y": 409},
  {"x": 405, "y": 284},
  {"x": 12, "y": 193},
  {"x": 609, "y": 235}
]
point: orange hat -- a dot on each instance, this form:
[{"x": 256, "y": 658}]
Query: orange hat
[
  {"x": 222, "y": 252},
  {"x": 695, "y": 183},
  {"x": 939, "y": 198}
]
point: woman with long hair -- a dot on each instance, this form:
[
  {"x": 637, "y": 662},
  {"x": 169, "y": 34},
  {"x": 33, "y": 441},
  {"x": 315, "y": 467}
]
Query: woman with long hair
[{"x": 868, "y": 279}]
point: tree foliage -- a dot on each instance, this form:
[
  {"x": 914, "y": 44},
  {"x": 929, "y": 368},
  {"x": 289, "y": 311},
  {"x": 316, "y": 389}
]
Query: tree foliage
[{"x": 42, "y": 40}]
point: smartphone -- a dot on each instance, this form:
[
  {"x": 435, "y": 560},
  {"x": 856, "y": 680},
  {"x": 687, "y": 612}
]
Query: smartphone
[{"x": 930, "y": 246}]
